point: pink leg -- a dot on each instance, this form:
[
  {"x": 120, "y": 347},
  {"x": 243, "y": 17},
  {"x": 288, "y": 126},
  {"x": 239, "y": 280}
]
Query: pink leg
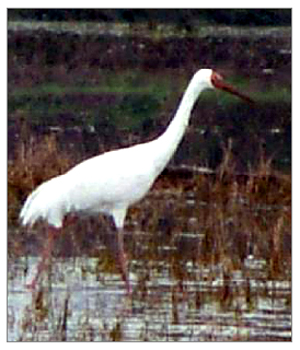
[
  {"x": 52, "y": 233},
  {"x": 123, "y": 261}
]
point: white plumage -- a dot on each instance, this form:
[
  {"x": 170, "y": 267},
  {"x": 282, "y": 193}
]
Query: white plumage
[
  {"x": 113, "y": 181},
  {"x": 107, "y": 183}
]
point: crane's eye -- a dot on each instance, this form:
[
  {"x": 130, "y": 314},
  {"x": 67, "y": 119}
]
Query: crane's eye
[{"x": 216, "y": 78}]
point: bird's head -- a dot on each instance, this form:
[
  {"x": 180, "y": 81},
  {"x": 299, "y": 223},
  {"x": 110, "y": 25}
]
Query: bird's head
[{"x": 210, "y": 79}]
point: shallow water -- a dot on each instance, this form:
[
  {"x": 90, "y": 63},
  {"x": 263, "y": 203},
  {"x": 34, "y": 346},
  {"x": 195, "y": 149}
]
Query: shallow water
[
  {"x": 187, "y": 285},
  {"x": 209, "y": 306}
]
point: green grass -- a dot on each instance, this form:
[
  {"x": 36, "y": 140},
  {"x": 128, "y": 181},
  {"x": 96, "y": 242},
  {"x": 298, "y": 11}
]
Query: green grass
[
  {"x": 129, "y": 99},
  {"x": 160, "y": 87},
  {"x": 59, "y": 90}
]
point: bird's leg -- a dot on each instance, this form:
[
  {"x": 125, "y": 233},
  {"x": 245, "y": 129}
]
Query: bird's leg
[
  {"x": 122, "y": 259},
  {"x": 52, "y": 233}
]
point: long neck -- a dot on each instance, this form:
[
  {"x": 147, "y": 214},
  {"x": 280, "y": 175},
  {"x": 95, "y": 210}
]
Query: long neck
[{"x": 171, "y": 138}]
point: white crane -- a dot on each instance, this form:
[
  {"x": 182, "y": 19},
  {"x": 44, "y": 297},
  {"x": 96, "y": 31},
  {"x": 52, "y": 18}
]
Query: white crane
[{"x": 111, "y": 182}]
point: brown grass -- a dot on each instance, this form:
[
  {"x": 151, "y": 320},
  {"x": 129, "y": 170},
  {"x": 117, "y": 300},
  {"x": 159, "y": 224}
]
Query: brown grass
[{"x": 35, "y": 161}]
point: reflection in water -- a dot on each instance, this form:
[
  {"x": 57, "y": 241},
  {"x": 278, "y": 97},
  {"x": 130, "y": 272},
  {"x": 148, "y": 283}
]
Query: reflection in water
[{"x": 77, "y": 304}]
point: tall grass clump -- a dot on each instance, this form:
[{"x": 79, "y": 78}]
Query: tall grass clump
[{"x": 246, "y": 214}]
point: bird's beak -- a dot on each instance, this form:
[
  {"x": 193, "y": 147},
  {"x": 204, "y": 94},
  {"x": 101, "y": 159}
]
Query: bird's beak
[{"x": 219, "y": 83}]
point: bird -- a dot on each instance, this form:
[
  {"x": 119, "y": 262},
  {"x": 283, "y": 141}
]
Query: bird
[{"x": 111, "y": 182}]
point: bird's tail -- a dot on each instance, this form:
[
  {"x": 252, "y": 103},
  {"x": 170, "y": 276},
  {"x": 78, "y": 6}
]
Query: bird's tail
[
  {"x": 43, "y": 203},
  {"x": 29, "y": 213}
]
